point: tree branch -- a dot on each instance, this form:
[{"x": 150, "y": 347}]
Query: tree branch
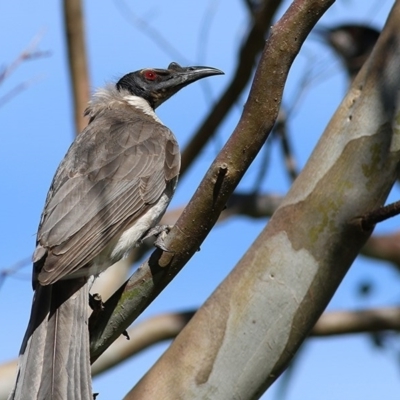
[
  {"x": 29, "y": 53},
  {"x": 75, "y": 37},
  {"x": 384, "y": 247},
  {"x": 360, "y": 321},
  {"x": 143, "y": 335}
]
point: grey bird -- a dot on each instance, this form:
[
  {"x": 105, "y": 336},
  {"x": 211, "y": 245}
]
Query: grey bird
[{"x": 110, "y": 190}]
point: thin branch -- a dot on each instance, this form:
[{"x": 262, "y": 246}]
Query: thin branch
[
  {"x": 18, "y": 89},
  {"x": 13, "y": 269},
  {"x": 265, "y": 158},
  {"x": 75, "y": 37},
  {"x": 369, "y": 220},
  {"x": 202, "y": 45},
  {"x": 143, "y": 335},
  {"x": 361, "y": 321},
  {"x": 29, "y": 53},
  {"x": 281, "y": 130}
]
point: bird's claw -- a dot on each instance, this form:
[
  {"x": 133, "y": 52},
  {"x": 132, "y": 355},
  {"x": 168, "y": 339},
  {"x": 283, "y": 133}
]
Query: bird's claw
[
  {"x": 160, "y": 232},
  {"x": 95, "y": 302}
]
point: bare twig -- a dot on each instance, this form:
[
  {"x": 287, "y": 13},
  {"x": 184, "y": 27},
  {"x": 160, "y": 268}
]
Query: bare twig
[
  {"x": 17, "y": 90},
  {"x": 369, "y": 220},
  {"x": 29, "y": 53},
  {"x": 281, "y": 131},
  {"x": 202, "y": 45}
]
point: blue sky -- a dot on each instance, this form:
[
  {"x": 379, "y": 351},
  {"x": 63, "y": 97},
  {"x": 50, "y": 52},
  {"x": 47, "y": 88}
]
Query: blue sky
[{"x": 37, "y": 128}]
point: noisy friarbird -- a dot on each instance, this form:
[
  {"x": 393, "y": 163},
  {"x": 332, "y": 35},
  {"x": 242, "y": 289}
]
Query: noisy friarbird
[{"x": 111, "y": 188}]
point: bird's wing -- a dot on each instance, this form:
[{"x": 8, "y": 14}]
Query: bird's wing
[{"x": 112, "y": 174}]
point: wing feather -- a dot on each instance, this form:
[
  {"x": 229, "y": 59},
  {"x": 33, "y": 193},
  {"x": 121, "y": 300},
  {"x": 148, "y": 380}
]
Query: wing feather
[{"x": 113, "y": 172}]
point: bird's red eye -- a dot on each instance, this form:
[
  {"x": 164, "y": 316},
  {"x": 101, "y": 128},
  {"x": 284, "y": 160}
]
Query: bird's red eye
[{"x": 150, "y": 75}]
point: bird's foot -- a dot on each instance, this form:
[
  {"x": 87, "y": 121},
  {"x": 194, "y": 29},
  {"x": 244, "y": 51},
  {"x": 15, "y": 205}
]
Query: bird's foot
[
  {"x": 160, "y": 232},
  {"x": 96, "y": 303}
]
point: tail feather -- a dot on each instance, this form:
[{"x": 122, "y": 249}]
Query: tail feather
[{"x": 54, "y": 359}]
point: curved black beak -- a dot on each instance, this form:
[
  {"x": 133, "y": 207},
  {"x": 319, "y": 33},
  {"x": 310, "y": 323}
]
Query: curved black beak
[
  {"x": 177, "y": 77},
  {"x": 192, "y": 74}
]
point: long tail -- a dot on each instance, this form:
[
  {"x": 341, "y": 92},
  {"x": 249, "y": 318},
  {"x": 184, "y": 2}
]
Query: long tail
[{"x": 54, "y": 361}]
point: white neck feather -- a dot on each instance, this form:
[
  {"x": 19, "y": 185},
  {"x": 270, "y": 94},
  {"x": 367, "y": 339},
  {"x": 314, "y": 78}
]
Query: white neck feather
[{"x": 142, "y": 105}]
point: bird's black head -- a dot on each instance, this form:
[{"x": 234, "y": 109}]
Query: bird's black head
[{"x": 158, "y": 85}]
